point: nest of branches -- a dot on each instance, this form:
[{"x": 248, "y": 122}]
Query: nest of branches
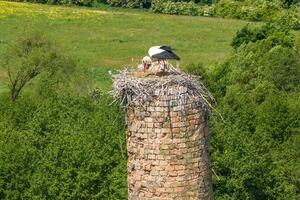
[{"x": 138, "y": 87}]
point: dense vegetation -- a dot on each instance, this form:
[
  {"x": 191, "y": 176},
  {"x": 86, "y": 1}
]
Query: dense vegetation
[
  {"x": 255, "y": 150},
  {"x": 61, "y": 141},
  {"x": 61, "y": 147}
]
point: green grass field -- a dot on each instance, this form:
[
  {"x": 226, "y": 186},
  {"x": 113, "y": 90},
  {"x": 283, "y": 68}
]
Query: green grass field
[{"x": 100, "y": 39}]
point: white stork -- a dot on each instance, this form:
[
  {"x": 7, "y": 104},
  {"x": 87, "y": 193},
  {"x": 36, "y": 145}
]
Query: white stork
[{"x": 162, "y": 53}]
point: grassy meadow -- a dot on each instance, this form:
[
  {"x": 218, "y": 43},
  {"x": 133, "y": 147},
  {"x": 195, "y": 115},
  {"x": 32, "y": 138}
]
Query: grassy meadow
[{"x": 106, "y": 38}]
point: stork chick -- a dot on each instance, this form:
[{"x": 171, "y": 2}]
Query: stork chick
[{"x": 147, "y": 62}]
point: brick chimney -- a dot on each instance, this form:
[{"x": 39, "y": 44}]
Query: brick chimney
[{"x": 167, "y": 139}]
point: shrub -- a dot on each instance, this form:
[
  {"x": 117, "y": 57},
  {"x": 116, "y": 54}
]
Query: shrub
[
  {"x": 276, "y": 32},
  {"x": 258, "y": 11},
  {"x": 195, "y": 69},
  {"x": 288, "y": 3},
  {"x": 130, "y": 3},
  {"x": 181, "y": 8},
  {"x": 289, "y": 20},
  {"x": 226, "y": 8}
]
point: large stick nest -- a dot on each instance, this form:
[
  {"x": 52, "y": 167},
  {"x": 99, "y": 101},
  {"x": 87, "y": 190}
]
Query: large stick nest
[{"x": 138, "y": 88}]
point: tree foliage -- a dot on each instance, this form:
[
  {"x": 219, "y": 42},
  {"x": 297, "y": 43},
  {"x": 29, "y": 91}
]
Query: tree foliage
[
  {"x": 62, "y": 148},
  {"x": 278, "y": 32},
  {"x": 254, "y": 151},
  {"x": 34, "y": 56}
]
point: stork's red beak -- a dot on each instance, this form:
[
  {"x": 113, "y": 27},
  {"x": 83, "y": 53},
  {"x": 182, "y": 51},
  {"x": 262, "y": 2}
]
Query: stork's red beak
[{"x": 145, "y": 67}]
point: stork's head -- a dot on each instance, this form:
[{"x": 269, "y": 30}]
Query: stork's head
[{"x": 147, "y": 62}]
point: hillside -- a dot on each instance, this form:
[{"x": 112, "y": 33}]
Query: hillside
[{"x": 112, "y": 38}]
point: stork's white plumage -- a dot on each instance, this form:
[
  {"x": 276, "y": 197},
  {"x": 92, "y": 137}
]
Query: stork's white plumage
[{"x": 156, "y": 62}]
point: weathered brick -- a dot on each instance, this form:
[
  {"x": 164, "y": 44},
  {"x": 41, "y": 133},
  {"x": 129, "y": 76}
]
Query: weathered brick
[
  {"x": 176, "y": 130},
  {"x": 160, "y": 157},
  {"x": 157, "y": 130},
  {"x": 148, "y": 194},
  {"x": 150, "y": 125},
  {"x": 163, "y": 173},
  {"x": 176, "y": 125},
  {"x": 148, "y": 119},
  {"x": 166, "y": 130},
  {"x": 167, "y": 141},
  {"x": 154, "y": 173},
  {"x": 170, "y": 168},
  {"x": 181, "y": 178},
  {"x": 141, "y": 195},
  {"x": 172, "y": 173},
  {"x": 179, "y": 189},
  {"x": 163, "y": 162},
  {"x": 179, "y": 167}
]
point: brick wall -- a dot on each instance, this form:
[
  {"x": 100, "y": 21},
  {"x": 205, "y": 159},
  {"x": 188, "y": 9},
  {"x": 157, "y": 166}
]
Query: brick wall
[{"x": 168, "y": 141}]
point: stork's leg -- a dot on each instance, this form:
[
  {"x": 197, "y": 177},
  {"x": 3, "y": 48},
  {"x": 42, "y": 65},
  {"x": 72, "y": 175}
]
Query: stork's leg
[{"x": 157, "y": 68}]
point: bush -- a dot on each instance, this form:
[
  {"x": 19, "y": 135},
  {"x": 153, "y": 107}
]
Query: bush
[
  {"x": 278, "y": 32},
  {"x": 289, "y": 20},
  {"x": 181, "y": 8},
  {"x": 258, "y": 11},
  {"x": 195, "y": 69},
  {"x": 129, "y": 3}
]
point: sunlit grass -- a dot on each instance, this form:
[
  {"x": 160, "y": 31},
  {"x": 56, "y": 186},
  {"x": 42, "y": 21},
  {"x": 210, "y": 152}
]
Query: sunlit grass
[{"x": 53, "y": 12}]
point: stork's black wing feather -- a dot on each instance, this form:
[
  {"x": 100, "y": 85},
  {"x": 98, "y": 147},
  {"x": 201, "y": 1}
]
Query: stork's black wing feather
[
  {"x": 166, "y": 48},
  {"x": 166, "y": 55}
]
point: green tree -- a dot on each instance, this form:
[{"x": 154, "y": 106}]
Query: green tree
[{"x": 31, "y": 56}]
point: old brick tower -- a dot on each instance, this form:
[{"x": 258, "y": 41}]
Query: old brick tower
[{"x": 167, "y": 136}]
